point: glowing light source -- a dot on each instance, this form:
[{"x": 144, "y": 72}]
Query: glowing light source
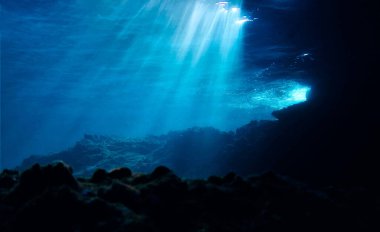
[
  {"x": 243, "y": 20},
  {"x": 222, "y": 4},
  {"x": 299, "y": 94},
  {"x": 235, "y": 9}
]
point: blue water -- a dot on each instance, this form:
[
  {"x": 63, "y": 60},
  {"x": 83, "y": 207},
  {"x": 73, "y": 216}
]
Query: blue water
[{"x": 133, "y": 68}]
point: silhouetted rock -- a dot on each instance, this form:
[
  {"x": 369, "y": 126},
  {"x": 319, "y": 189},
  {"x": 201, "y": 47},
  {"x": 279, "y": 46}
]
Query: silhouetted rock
[
  {"x": 161, "y": 201},
  {"x": 64, "y": 210},
  {"x": 120, "y": 173},
  {"x": 164, "y": 184},
  {"x": 99, "y": 176},
  {"x": 8, "y": 178},
  {"x": 51, "y": 175},
  {"x": 215, "y": 180},
  {"x": 122, "y": 193},
  {"x": 37, "y": 179},
  {"x": 160, "y": 171}
]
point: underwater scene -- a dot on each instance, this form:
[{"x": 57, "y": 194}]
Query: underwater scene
[
  {"x": 189, "y": 115},
  {"x": 139, "y": 68}
]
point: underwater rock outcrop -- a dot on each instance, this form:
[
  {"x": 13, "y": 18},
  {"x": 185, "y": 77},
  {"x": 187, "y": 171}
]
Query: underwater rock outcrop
[
  {"x": 194, "y": 152},
  {"x": 93, "y": 152},
  {"x": 49, "y": 198},
  {"x": 295, "y": 145}
]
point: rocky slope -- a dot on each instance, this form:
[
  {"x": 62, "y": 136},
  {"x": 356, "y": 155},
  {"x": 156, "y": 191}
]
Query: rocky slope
[{"x": 50, "y": 198}]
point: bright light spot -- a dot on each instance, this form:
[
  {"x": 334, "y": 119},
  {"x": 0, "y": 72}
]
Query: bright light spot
[
  {"x": 299, "y": 94},
  {"x": 221, "y": 3},
  {"x": 243, "y": 20},
  {"x": 305, "y": 54},
  {"x": 274, "y": 95},
  {"x": 223, "y": 6},
  {"x": 235, "y": 9}
]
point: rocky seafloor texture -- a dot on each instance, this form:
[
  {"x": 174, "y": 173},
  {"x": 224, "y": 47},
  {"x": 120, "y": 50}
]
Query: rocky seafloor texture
[
  {"x": 50, "y": 198},
  {"x": 193, "y": 153}
]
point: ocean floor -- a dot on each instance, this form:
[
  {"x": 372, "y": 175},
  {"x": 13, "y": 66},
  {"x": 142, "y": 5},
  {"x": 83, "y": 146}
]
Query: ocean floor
[{"x": 50, "y": 198}]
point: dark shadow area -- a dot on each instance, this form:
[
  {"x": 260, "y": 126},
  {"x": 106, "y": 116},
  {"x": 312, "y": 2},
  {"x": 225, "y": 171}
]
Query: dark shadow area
[{"x": 49, "y": 198}]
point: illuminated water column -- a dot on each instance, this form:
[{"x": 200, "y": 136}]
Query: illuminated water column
[
  {"x": 199, "y": 46},
  {"x": 155, "y": 65}
]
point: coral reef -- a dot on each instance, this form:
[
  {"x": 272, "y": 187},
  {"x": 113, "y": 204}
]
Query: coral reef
[{"x": 49, "y": 198}]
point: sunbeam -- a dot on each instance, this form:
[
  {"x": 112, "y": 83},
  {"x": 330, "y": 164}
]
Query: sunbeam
[{"x": 131, "y": 68}]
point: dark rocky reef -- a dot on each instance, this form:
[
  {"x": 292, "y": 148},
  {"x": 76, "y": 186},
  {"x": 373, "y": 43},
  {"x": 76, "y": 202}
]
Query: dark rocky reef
[
  {"x": 295, "y": 145},
  {"x": 49, "y": 198},
  {"x": 191, "y": 153},
  {"x": 94, "y": 152}
]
